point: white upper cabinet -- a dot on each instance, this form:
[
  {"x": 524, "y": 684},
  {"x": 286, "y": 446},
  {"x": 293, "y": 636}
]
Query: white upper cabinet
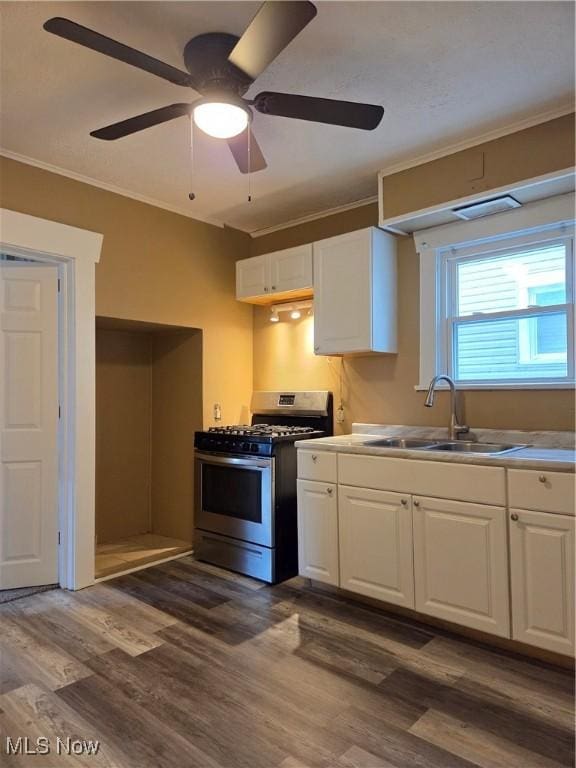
[
  {"x": 252, "y": 277},
  {"x": 275, "y": 276},
  {"x": 355, "y": 293},
  {"x": 291, "y": 270}
]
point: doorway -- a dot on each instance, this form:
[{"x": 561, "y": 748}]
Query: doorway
[
  {"x": 29, "y": 423},
  {"x": 75, "y": 252}
]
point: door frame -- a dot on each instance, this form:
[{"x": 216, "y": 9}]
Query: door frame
[{"x": 76, "y": 253}]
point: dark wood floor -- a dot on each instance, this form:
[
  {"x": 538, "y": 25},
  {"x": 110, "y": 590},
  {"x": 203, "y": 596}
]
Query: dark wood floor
[{"x": 183, "y": 665}]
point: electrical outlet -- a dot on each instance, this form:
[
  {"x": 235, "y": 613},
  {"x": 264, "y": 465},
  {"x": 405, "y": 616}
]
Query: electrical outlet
[
  {"x": 217, "y": 412},
  {"x": 340, "y": 414}
]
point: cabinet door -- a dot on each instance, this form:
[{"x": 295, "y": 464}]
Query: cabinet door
[
  {"x": 375, "y": 531},
  {"x": 542, "y": 577},
  {"x": 291, "y": 270},
  {"x": 252, "y": 277},
  {"x": 461, "y": 563},
  {"x": 342, "y": 294},
  {"x": 318, "y": 531}
]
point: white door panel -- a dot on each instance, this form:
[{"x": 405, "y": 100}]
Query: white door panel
[
  {"x": 376, "y": 545},
  {"x": 461, "y": 563},
  {"x": 542, "y": 574},
  {"x": 28, "y": 425}
]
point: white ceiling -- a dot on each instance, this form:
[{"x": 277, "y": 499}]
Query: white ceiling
[{"x": 445, "y": 72}]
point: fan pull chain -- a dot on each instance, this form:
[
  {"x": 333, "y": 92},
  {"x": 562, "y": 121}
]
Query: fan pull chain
[
  {"x": 249, "y": 164},
  {"x": 191, "y": 195}
]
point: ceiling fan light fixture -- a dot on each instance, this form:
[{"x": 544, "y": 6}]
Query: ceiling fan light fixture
[{"x": 221, "y": 119}]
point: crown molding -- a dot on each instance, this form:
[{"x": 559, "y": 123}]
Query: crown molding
[
  {"x": 448, "y": 149},
  {"x": 325, "y": 212},
  {"x": 106, "y": 186},
  {"x": 387, "y": 170}
]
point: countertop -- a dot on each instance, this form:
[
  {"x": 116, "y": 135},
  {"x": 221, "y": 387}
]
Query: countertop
[{"x": 547, "y": 450}]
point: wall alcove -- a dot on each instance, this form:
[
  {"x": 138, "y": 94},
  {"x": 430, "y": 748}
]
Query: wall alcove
[{"x": 148, "y": 405}]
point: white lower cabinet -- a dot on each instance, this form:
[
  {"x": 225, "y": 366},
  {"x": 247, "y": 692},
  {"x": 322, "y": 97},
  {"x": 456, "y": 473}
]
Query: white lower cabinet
[
  {"x": 375, "y": 533},
  {"x": 542, "y": 579},
  {"x": 471, "y": 561},
  {"x": 318, "y": 531},
  {"x": 461, "y": 563}
]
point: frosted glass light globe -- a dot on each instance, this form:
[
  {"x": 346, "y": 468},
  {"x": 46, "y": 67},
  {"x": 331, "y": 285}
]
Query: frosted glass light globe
[{"x": 220, "y": 120}]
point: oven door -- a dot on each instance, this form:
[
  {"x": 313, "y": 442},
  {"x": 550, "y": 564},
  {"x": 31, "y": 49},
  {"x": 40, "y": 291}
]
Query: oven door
[{"x": 235, "y": 496}]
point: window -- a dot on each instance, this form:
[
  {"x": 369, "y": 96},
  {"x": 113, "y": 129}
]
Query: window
[
  {"x": 507, "y": 314},
  {"x": 497, "y": 303}
]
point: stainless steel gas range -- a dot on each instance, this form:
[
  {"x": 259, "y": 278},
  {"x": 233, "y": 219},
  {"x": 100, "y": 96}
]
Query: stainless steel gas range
[{"x": 245, "y": 480}]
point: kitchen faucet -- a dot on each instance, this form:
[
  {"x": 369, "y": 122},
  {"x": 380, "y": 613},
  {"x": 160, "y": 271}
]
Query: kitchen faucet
[{"x": 455, "y": 429}]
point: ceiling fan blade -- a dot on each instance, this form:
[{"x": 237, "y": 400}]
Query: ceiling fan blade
[
  {"x": 275, "y": 25},
  {"x": 350, "y": 114},
  {"x": 140, "y": 122},
  {"x": 239, "y": 148},
  {"x": 69, "y": 30}
]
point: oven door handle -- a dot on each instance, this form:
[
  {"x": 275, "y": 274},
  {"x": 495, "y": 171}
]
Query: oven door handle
[{"x": 234, "y": 461}]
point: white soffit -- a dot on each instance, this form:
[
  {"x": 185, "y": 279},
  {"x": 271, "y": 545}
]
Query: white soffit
[{"x": 527, "y": 191}]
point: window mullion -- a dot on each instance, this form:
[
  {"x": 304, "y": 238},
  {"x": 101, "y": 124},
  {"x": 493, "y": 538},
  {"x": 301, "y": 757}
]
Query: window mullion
[{"x": 512, "y": 314}]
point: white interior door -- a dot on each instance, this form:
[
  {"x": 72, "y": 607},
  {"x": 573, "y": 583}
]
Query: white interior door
[{"x": 28, "y": 425}]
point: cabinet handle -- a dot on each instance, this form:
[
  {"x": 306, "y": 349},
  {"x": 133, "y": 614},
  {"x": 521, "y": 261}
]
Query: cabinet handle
[
  {"x": 416, "y": 503},
  {"x": 329, "y": 491},
  {"x": 265, "y": 288},
  {"x": 273, "y": 287},
  {"x": 514, "y": 516},
  {"x": 403, "y": 502},
  {"x": 542, "y": 478},
  {"x": 314, "y": 458}
]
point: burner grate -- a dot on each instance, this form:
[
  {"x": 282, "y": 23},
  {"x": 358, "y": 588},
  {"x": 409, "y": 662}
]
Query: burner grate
[{"x": 260, "y": 430}]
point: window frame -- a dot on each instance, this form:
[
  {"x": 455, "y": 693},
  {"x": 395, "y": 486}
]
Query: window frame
[
  {"x": 549, "y": 220},
  {"x": 449, "y": 259}
]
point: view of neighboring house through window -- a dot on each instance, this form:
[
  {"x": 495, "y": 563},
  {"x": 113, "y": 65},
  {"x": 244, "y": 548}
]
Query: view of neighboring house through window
[{"x": 508, "y": 313}]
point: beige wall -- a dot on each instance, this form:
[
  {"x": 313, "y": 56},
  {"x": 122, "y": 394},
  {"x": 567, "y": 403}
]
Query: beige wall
[
  {"x": 123, "y": 424},
  {"x": 176, "y": 414},
  {"x": 532, "y": 152},
  {"x": 381, "y": 388},
  {"x": 156, "y": 266}
]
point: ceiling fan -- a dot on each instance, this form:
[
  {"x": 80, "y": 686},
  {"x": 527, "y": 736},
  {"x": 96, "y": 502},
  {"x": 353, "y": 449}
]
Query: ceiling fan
[{"x": 221, "y": 67}]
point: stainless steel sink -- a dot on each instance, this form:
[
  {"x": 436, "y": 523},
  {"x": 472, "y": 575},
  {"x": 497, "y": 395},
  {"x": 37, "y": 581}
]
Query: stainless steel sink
[
  {"x": 460, "y": 446},
  {"x": 467, "y": 446},
  {"x": 401, "y": 442}
]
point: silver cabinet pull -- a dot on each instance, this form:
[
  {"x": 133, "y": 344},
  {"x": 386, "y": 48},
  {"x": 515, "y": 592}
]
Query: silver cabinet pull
[
  {"x": 403, "y": 502},
  {"x": 514, "y": 516},
  {"x": 416, "y": 503},
  {"x": 542, "y": 478},
  {"x": 314, "y": 458}
]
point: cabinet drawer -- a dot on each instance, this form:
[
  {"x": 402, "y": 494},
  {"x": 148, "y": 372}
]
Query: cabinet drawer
[
  {"x": 485, "y": 485},
  {"x": 542, "y": 491},
  {"x": 317, "y": 465}
]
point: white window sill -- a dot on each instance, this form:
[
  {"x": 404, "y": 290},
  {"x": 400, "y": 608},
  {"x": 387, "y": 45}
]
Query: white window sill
[{"x": 496, "y": 387}]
